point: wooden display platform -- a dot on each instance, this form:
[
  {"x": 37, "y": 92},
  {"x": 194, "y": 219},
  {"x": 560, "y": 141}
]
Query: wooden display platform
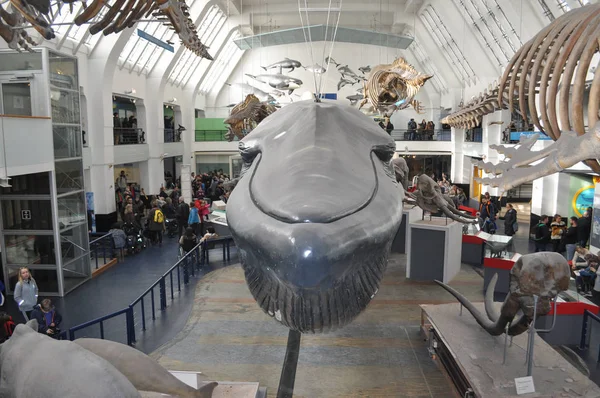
[{"x": 473, "y": 359}]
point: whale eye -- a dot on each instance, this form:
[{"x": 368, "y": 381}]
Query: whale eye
[
  {"x": 384, "y": 152},
  {"x": 248, "y": 152}
]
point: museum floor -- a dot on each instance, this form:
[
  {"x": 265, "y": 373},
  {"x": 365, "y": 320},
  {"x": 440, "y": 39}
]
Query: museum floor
[{"x": 381, "y": 354}]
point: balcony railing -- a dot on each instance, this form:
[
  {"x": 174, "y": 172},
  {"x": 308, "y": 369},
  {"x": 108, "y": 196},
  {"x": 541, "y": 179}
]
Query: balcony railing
[
  {"x": 211, "y": 135},
  {"x": 421, "y": 135},
  {"x": 474, "y": 135},
  {"x": 398, "y": 135},
  {"x": 172, "y": 135},
  {"x": 129, "y": 136}
]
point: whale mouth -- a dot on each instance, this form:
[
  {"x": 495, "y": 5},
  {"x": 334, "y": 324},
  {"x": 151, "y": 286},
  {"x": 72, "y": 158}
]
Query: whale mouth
[{"x": 310, "y": 310}]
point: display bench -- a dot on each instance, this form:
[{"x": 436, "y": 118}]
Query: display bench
[
  {"x": 434, "y": 249},
  {"x": 570, "y": 307},
  {"x": 400, "y": 242},
  {"x": 501, "y": 266},
  {"x": 474, "y": 360}
]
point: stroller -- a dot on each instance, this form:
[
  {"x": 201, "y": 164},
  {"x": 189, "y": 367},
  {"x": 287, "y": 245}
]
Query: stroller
[
  {"x": 172, "y": 227},
  {"x": 134, "y": 243}
]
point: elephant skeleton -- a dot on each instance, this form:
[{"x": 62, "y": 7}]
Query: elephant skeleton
[
  {"x": 429, "y": 197},
  {"x": 543, "y": 274},
  {"x": 119, "y": 15}
]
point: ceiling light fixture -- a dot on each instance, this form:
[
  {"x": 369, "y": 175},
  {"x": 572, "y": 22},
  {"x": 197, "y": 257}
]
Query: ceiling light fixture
[{"x": 130, "y": 91}]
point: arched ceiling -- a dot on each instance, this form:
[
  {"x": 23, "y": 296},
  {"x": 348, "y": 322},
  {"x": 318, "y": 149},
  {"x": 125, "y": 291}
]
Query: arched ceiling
[{"x": 464, "y": 42}]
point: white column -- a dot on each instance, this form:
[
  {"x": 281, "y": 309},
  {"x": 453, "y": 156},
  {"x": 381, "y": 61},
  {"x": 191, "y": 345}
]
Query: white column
[
  {"x": 152, "y": 173},
  {"x": 458, "y": 141},
  {"x": 101, "y": 66}
]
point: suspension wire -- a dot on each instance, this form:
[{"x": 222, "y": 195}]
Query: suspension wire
[
  {"x": 324, "y": 47},
  {"x": 309, "y": 41},
  {"x": 337, "y": 23}
]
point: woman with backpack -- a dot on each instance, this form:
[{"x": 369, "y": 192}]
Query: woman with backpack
[
  {"x": 188, "y": 241},
  {"x": 156, "y": 220},
  {"x": 26, "y": 292}
]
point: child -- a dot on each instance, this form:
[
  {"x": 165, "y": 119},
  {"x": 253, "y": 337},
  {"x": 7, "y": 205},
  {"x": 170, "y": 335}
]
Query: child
[
  {"x": 48, "y": 318},
  {"x": 188, "y": 241}
]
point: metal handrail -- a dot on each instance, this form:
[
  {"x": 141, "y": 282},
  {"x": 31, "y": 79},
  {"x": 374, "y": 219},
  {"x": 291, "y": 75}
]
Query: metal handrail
[
  {"x": 128, "y": 135},
  {"x": 584, "y": 326},
  {"x": 421, "y": 135},
  {"x": 186, "y": 262},
  {"x": 96, "y": 243}
]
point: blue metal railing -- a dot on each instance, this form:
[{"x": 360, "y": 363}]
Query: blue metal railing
[
  {"x": 587, "y": 316},
  {"x": 187, "y": 265},
  {"x": 104, "y": 244}
]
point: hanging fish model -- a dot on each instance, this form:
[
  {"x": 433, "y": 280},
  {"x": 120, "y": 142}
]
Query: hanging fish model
[
  {"x": 278, "y": 81},
  {"x": 344, "y": 82},
  {"x": 330, "y": 60},
  {"x": 365, "y": 69},
  {"x": 316, "y": 68},
  {"x": 285, "y": 64},
  {"x": 354, "y": 98}
]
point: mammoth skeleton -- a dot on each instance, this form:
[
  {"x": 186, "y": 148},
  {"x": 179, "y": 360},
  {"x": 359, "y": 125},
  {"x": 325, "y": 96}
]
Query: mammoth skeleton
[
  {"x": 119, "y": 15},
  {"x": 542, "y": 274}
]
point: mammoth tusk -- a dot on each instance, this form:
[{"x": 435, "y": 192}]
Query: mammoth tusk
[
  {"x": 448, "y": 211},
  {"x": 490, "y": 309},
  {"x": 508, "y": 311}
]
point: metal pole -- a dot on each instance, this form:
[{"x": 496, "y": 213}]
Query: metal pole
[
  {"x": 531, "y": 337},
  {"x": 288, "y": 372},
  {"x": 505, "y": 344}
]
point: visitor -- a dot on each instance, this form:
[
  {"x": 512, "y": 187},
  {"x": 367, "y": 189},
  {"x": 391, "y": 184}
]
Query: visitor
[
  {"x": 156, "y": 223},
  {"x": 510, "y": 219},
  {"x": 48, "y": 318},
  {"x": 542, "y": 234},
  {"x": 570, "y": 239},
  {"x": 119, "y": 239},
  {"x": 194, "y": 219},
  {"x": 26, "y": 292},
  {"x": 188, "y": 241},
  {"x": 183, "y": 213},
  {"x": 558, "y": 229},
  {"x": 584, "y": 228},
  {"x": 412, "y": 129}
]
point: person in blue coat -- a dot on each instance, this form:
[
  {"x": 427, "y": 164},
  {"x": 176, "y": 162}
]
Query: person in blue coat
[{"x": 194, "y": 219}]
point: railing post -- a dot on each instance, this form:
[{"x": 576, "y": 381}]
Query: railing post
[
  {"x": 584, "y": 326},
  {"x": 186, "y": 272},
  {"x": 71, "y": 334},
  {"x": 162, "y": 290},
  {"x": 130, "y": 326}
]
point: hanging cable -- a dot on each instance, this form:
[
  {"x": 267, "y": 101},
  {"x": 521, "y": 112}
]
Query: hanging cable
[
  {"x": 307, "y": 40},
  {"x": 337, "y": 23}
]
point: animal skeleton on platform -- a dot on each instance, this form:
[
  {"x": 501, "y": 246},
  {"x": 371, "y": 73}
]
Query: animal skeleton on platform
[
  {"x": 547, "y": 77},
  {"x": 121, "y": 14},
  {"x": 251, "y": 110},
  {"x": 391, "y": 87}
]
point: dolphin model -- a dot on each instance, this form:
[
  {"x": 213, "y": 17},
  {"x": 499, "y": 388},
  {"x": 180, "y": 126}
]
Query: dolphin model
[
  {"x": 345, "y": 71},
  {"x": 278, "y": 81},
  {"x": 354, "y": 98},
  {"x": 365, "y": 69},
  {"x": 330, "y": 60},
  {"x": 344, "y": 82},
  {"x": 316, "y": 68},
  {"x": 285, "y": 64}
]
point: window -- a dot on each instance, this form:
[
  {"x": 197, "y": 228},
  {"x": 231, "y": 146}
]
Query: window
[
  {"x": 16, "y": 99},
  {"x": 28, "y": 184},
  {"x": 446, "y": 43},
  {"x": 63, "y": 24},
  {"x": 188, "y": 62},
  {"x": 29, "y": 249},
  {"x": 26, "y": 214},
  {"x": 69, "y": 176},
  {"x": 221, "y": 64},
  {"x": 428, "y": 67},
  {"x": 140, "y": 54}
]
